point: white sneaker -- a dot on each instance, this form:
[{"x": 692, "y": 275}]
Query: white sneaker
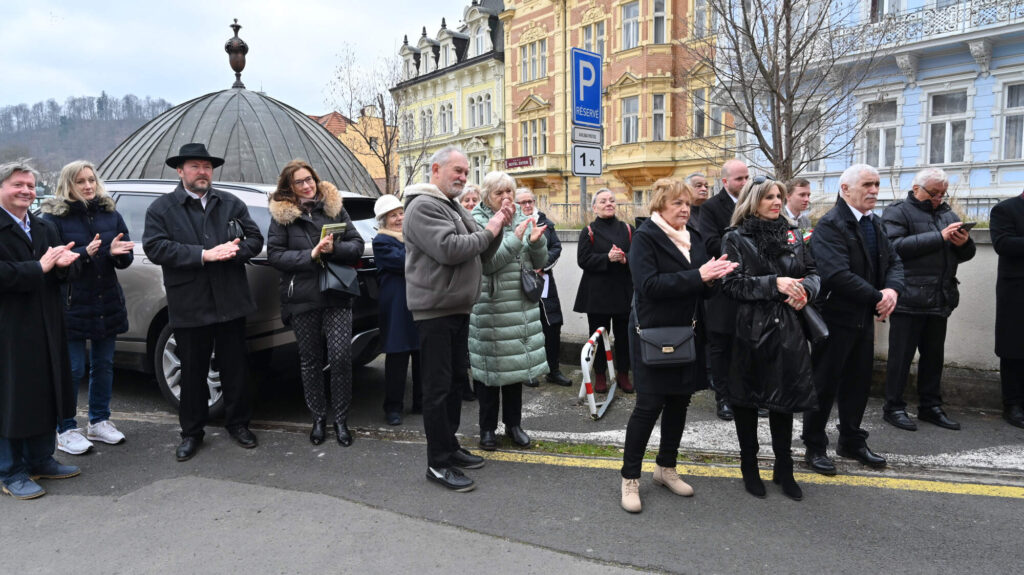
[
  {"x": 106, "y": 432},
  {"x": 73, "y": 441}
]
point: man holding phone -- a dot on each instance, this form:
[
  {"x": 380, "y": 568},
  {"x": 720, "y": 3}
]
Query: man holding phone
[{"x": 932, "y": 241}]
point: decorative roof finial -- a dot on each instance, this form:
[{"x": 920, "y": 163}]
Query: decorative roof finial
[
  {"x": 424, "y": 31},
  {"x": 405, "y": 40},
  {"x": 444, "y": 26},
  {"x": 236, "y": 49}
]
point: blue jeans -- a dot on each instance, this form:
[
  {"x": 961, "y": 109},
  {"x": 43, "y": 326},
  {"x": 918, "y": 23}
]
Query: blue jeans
[
  {"x": 18, "y": 457},
  {"x": 101, "y": 378}
]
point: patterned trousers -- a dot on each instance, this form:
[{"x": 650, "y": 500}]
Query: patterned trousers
[{"x": 331, "y": 326}]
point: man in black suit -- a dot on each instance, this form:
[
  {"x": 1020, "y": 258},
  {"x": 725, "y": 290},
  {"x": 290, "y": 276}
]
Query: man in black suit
[
  {"x": 202, "y": 237},
  {"x": 861, "y": 277},
  {"x": 721, "y": 311},
  {"x": 1007, "y": 225}
]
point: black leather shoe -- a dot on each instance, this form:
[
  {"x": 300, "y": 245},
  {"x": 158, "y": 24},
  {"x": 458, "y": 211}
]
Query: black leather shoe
[
  {"x": 451, "y": 478},
  {"x": 243, "y": 436},
  {"x": 466, "y": 460},
  {"x": 819, "y": 462},
  {"x": 558, "y": 378},
  {"x": 518, "y": 436},
  {"x": 862, "y": 454},
  {"x": 532, "y": 382},
  {"x": 724, "y": 411},
  {"x": 394, "y": 418},
  {"x": 344, "y": 436},
  {"x": 188, "y": 447},
  {"x": 936, "y": 416},
  {"x": 488, "y": 440},
  {"x": 900, "y": 419},
  {"x": 319, "y": 432},
  {"x": 1014, "y": 415}
]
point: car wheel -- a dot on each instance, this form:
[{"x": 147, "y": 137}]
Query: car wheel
[{"x": 167, "y": 366}]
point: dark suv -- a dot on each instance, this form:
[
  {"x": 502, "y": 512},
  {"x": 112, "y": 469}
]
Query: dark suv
[{"x": 149, "y": 344}]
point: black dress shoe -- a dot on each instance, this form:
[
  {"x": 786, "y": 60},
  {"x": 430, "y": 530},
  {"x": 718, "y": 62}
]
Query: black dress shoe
[
  {"x": 344, "y": 436},
  {"x": 532, "y": 382},
  {"x": 451, "y": 478},
  {"x": 488, "y": 440},
  {"x": 393, "y": 418},
  {"x": 243, "y": 436},
  {"x": 518, "y": 436},
  {"x": 188, "y": 448},
  {"x": 466, "y": 460},
  {"x": 819, "y": 462},
  {"x": 936, "y": 416},
  {"x": 558, "y": 378},
  {"x": 900, "y": 419},
  {"x": 724, "y": 411},
  {"x": 1014, "y": 415},
  {"x": 319, "y": 432},
  {"x": 862, "y": 454}
]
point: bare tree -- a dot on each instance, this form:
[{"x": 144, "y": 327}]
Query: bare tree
[{"x": 787, "y": 71}]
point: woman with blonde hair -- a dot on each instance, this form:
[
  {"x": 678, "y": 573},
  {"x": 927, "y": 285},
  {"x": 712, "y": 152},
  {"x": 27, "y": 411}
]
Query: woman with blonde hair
[{"x": 94, "y": 303}]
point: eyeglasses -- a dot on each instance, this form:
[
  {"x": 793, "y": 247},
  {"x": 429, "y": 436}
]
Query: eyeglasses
[
  {"x": 304, "y": 181},
  {"x": 525, "y": 202},
  {"x": 761, "y": 179},
  {"x": 932, "y": 194}
]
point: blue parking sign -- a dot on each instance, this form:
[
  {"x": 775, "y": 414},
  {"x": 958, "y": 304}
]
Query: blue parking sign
[{"x": 586, "y": 88}]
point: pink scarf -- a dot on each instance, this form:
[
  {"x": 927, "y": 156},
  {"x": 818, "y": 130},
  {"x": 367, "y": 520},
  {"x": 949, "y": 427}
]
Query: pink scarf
[{"x": 681, "y": 238}]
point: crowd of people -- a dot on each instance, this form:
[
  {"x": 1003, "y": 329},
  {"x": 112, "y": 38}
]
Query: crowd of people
[{"x": 733, "y": 291}]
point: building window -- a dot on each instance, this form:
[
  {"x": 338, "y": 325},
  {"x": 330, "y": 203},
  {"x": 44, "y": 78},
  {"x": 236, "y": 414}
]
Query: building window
[
  {"x": 374, "y": 143},
  {"x": 472, "y": 111},
  {"x": 481, "y": 42},
  {"x": 630, "y": 114},
  {"x": 593, "y": 38},
  {"x": 705, "y": 19},
  {"x": 630, "y": 25},
  {"x": 485, "y": 110},
  {"x": 479, "y": 168},
  {"x": 533, "y": 58},
  {"x": 880, "y": 134},
  {"x": 534, "y": 136},
  {"x": 658, "y": 115},
  {"x": 947, "y": 133},
  {"x": 1014, "y": 132},
  {"x": 698, "y": 112},
  {"x": 808, "y": 144},
  {"x": 426, "y": 173},
  {"x": 659, "y": 21},
  {"x": 882, "y": 8}
]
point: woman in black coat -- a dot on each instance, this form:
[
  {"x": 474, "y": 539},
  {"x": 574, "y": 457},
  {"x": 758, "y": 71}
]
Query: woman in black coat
[
  {"x": 300, "y": 207},
  {"x": 672, "y": 274},
  {"x": 605, "y": 289},
  {"x": 771, "y": 362},
  {"x": 94, "y": 303}
]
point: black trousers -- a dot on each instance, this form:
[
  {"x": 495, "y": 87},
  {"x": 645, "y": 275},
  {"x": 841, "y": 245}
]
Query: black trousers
[
  {"x": 396, "y": 370},
  {"x": 719, "y": 357},
  {"x": 842, "y": 374},
  {"x": 907, "y": 334},
  {"x": 781, "y": 427},
  {"x": 1011, "y": 374},
  {"x": 444, "y": 351},
  {"x": 510, "y": 397},
  {"x": 618, "y": 324},
  {"x": 672, "y": 409},
  {"x": 195, "y": 346},
  {"x": 552, "y": 341}
]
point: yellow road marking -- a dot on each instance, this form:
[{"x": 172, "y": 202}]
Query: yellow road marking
[{"x": 923, "y": 485}]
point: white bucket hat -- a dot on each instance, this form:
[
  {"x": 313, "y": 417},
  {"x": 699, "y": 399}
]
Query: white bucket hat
[{"x": 385, "y": 204}]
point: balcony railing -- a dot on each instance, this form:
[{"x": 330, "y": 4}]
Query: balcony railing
[{"x": 925, "y": 23}]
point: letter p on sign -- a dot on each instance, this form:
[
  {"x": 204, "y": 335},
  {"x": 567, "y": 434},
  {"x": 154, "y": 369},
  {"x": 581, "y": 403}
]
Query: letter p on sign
[{"x": 587, "y": 76}]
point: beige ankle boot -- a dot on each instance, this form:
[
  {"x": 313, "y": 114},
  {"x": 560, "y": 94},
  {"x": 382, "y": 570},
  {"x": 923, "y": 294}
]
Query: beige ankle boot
[
  {"x": 631, "y": 495},
  {"x": 668, "y": 477}
]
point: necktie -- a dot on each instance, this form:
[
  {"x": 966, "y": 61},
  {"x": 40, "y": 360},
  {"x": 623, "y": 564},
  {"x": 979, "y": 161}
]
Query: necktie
[{"x": 870, "y": 240}]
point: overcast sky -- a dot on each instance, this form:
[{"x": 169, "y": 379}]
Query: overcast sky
[{"x": 175, "y": 49}]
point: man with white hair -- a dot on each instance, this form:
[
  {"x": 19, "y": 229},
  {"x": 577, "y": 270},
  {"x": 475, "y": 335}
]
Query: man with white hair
[
  {"x": 861, "y": 277},
  {"x": 698, "y": 182},
  {"x": 931, "y": 241}
]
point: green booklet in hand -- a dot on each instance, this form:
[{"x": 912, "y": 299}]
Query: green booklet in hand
[{"x": 336, "y": 229}]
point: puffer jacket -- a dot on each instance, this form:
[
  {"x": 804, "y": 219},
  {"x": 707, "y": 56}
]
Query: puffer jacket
[
  {"x": 293, "y": 234},
  {"x": 929, "y": 262},
  {"x": 771, "y": 359},
  {"x": 506, "y": 338},
  {"x": 94, "y": 303}
]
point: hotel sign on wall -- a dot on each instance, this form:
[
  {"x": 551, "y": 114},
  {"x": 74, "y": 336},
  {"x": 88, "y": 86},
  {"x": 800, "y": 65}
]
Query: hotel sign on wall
[{"x": 520, "y": 162}]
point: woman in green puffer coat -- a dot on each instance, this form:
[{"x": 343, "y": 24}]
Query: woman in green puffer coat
[{"x": 506, "y": 339}]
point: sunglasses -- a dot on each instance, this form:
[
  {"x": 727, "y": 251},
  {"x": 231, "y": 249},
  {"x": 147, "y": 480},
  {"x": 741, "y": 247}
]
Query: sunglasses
[{"x": 761, "y": 179}]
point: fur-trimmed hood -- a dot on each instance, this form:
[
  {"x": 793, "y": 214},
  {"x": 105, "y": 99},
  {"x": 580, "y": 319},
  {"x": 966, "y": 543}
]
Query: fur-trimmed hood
[
  {"x": 285, "y": 212},
  {"x": 61, "y": 208}
]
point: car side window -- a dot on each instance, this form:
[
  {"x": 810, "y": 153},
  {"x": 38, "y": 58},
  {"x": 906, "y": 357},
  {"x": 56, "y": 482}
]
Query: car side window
[{"x": 132, "y": 208}]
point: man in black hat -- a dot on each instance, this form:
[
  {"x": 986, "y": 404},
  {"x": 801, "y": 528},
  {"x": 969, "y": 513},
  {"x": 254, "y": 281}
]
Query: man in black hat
[{"x": 202, "y": 237}]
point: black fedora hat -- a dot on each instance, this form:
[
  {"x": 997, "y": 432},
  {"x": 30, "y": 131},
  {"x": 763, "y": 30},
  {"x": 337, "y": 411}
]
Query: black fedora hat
[{"x": 193, "y": 152}]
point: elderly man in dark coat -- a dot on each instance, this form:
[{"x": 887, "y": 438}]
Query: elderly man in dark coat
[
  {"x": 35, "y": 376},
  {"x": 1007, "y": 225},
  {"x": 202, "y": 237}
]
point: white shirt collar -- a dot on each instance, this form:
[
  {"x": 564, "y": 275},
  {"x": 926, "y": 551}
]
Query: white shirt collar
[
  {"x": 857, "y": 213},
  {"x": 202, "y": 199}
]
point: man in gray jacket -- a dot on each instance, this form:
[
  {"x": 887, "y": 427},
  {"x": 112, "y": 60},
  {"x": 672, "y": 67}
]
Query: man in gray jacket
[{"x": 442, "y": 272}]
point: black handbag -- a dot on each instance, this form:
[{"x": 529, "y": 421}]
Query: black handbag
[
  {"x": 532, "y": 282},
  {"x": 667, "y": 346},
  {"x": 815, "y": 328},
  {"x": 338, "y": 279}
]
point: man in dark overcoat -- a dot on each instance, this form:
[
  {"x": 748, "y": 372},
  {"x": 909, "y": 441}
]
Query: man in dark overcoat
[
  {"x": 202, "y": 237},
  {"x": 928, "y": 236},
  {"x": 716, "y": 213},
  {"x": 861, "y": 277},
  {"x": 1007, "y": 225},
  {"x": 35, "y": 375}
]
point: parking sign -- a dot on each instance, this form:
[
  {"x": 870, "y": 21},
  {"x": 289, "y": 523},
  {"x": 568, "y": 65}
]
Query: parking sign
[{"x": 586, "y": 88}]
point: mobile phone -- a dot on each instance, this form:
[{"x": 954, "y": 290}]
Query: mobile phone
[{"x": 966, "y": 226}]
